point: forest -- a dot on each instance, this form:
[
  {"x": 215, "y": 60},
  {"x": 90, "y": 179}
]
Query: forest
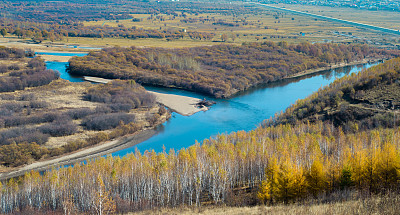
[
  {"x": 220, "y": 70},
  {"x": 38, "y": 110},
  {"x": 273, "y": 165},
  {"x": 302, "y": 161}
]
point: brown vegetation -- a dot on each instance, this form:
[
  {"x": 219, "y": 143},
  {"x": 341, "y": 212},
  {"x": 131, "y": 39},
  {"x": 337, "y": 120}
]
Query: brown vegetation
[
  {"x": 38, "y": 108},
  {"x": 221, "y": 70},
  {"x": 40, "y": 21},
  {"x": 361, "y": 101}
]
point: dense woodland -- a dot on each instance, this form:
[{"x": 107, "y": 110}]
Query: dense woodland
[
  {"x": 369, "y": 99},
  {"x": 293, "y": 162},
  {"x": 220, "y": 70}
]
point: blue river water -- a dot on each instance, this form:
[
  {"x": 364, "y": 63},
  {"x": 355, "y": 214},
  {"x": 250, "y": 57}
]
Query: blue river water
[{"x": 243, "y": 112}]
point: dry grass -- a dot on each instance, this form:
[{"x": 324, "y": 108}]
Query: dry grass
[
  {"x": 261, "y": 25},
  {"x": 389, "y": 19},
  {"x": 62, "y": 95},
  {"x": 389, "y": 204}
]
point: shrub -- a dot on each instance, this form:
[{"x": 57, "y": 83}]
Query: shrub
[
  {"x": 79, "y": 113},
  {"x": 107, "y": 121},
  {"x": 3, "y": 69},
  {"x": 59, "y": 128},
  {"x": 27, "y": 97},
  {"x": 13, "y": 106},
  {"x": 122, "y": 93},
  {"x": 14, "y": 67},
  {"x": 38, "y": 104},
  {"x": 35, "y": 119},
  {"x": 21, "y": 135}
]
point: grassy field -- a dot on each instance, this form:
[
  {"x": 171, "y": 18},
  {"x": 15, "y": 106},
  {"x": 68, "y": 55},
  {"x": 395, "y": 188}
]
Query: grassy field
[
  {"x": 261, "y": 25},
  {"x": 386, "y": 19}
]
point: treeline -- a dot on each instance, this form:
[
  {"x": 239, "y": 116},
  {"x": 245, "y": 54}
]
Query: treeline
[
  {"x": 368, "y": 99},
  {"x": 278, "y": 164},
  {"x": 221, "y": 70},
  {"x": 53, "y": 32},
  {"x": 29, "y": 120}
]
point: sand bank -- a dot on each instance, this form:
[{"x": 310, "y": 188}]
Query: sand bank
[
  {"x": 96, "y": 79},
  {"x": 63, "y": 59},
  {"x": 183, "y": 105}
]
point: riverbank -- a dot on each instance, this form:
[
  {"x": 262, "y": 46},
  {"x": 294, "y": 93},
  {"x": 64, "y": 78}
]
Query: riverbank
[
  {"x": 84, "y": 154},
  {"x": 14, "y": 42},
  {"x": 334, "y": 66}
]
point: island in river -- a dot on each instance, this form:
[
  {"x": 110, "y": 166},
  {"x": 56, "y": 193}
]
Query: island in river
[{"x": 222, "y": 70}]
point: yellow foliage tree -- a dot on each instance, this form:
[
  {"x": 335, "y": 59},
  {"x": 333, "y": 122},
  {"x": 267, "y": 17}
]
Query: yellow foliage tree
[
  {"x": 291, "y": 182},
  {"x": 316, "y": 178}
]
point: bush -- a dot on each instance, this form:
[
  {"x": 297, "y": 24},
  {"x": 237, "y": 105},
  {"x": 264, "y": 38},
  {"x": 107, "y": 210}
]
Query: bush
[
  {"x": 13, "y": 106},
  {"x": 19, "y": 80},
  {"x": 120, "y": 107},
  {"x": 3, "y": 69},
  {"x": 14, "y": 67},
  {"x": 38, "y": 104},
  {"x": 123, "y": 95},
  {"x": 59, "y": 128},
  {"x": 36, "y": 62},
  {"x": 35, "y": 119},
  {"x": 107, "y": 121},
  {"x": 27, "y": 97},
  {"x": 79, "y": 113},
  {"x": 21, "y": 135}
]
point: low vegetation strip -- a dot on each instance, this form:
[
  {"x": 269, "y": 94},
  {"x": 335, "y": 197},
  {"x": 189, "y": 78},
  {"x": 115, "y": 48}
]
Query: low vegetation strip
[{"x": 221, "y": 70}]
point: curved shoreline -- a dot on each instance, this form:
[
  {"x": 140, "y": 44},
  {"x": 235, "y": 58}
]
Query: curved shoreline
[{"x": 334, "y": 66}]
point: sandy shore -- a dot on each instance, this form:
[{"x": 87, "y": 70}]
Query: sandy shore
[
  {"x": 183, "y": 105},
  {"x": 55, "y": 58},
  {"x": 96, "y": 79}
]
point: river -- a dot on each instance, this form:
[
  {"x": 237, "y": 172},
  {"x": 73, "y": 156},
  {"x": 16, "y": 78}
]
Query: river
[{"x": 243, "y": 112}]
